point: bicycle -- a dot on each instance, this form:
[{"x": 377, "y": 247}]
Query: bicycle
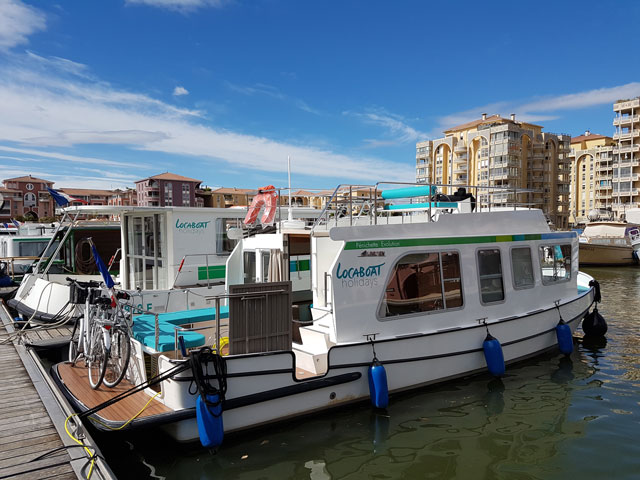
[{"x": 101, "y": 335}]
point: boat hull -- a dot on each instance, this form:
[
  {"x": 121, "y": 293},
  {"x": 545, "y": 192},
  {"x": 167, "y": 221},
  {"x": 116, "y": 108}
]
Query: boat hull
[
  {"x": 263, "y": 388},
  {"x": 602, "y": 255}
]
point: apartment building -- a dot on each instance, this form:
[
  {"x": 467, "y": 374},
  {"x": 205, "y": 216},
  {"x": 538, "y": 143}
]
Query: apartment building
[
  {"x": 26, "y": 197},
  {"x": 591, "y": 174},
  {"x": 167, "y": 189},
  {"x": 513, "y": 162},
  {"x": 625, "y": 172}
]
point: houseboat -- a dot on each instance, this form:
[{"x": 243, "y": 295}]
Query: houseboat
[
  {"x": 417, "y": 288},
  {"x": 609, "y": 243},
  {"x": 170, "y": 258}
]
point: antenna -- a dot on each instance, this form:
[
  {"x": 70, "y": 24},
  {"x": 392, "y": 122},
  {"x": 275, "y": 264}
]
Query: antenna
[
  {"x": 290, "y": 222},
  {"x": 289, "y": 175}
]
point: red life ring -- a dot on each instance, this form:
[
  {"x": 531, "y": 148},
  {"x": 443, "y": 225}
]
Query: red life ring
[{"x": 268, "y": 198}]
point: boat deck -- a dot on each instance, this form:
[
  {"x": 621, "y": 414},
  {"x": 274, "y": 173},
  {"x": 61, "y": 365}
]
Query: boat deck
[{"x": 76, "y": 380}]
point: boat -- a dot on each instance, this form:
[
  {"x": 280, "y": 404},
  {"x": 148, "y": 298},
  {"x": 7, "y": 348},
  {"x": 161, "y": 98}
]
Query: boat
[
  {"x": 170, "y": 258},
  {"x": 400, "y": 296},
  {"x": 62, "y": 251},
  {"x": 609, "y": 243}
]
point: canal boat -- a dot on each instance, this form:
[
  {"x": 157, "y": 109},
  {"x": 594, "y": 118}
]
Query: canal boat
[
  {"x": 609, "y": 243},
  {"x": 170, "y": 258},
  {"x": 63, "y": 251},
  {"x": 401, "y": 296}
]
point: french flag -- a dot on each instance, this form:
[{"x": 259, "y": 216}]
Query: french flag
[{"x": 62, "y": 199}]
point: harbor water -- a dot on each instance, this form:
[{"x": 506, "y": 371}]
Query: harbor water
[{"x": 549, "y": 418}]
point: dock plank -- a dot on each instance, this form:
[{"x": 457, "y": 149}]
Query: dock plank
[{"x": 26, "y": 431}]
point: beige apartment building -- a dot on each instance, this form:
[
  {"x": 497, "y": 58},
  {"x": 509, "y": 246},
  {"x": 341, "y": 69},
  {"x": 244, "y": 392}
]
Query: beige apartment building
[
  {"x": 625, "y": 173},
  {"x": 513, "y": 162},
  {"x": 591, "y": 177},
  {"x": 605, "y": 175}
]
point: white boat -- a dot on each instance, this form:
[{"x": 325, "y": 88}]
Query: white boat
[
  {"x": 171, "y": 258},
  {"x": 609, "y": 243},
  {"x": 415, "y": 289}
]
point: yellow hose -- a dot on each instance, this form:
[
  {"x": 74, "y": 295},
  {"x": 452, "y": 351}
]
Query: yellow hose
[
  {"x": 93, "y": 419},
  {"x": 91, "y": 455}
]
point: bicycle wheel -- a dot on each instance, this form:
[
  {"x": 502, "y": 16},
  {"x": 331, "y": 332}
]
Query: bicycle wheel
[
  {"x": 97, "y": 357},
  {"x": 73, "y": 343},
  {"x": 118, "y": 357}
]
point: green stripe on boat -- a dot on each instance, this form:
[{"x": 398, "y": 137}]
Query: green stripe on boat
[
  {"x": 299, "y": 265},
  {"x": 215, "y": 271},
  {"x": 423, "y": 242}
]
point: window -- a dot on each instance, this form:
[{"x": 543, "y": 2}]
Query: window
[
  {"x": 522, "y": 268},
  {"x": 490, "y": 271},
  {"x": 29, "y": 186},
  {"x": 168, "y": 194},
  {"x": 422, "y": 282},
  {"x": 30, "y": 199},
  {"x": 186, "y": 194},
  {"x": 555, "y": 261},
  {"x": 224, "y": 244}
]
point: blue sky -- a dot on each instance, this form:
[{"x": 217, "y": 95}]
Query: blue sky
[{"x": 98, "y": 94}]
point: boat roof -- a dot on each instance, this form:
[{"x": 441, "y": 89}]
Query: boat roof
[
  {"x": 606, "y": 229},
  {"x": 521, "y": 222}
]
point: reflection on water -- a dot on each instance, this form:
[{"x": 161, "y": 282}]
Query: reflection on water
[{"x": 549, "y": 418}]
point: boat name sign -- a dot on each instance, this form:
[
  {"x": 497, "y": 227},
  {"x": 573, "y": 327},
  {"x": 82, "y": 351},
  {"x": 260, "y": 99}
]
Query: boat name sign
[
  {"x": 359, "y": 276},
  {"x": 192, "y": 227}
]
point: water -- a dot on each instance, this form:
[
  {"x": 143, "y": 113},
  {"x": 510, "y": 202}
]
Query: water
[{"x": 549, "y": 418}]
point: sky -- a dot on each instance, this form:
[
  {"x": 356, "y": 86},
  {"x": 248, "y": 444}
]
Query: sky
[{"x": 99, "y": 94}]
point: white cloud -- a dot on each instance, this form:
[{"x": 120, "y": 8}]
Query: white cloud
[
  {"x": 541, "y": 109},
  {"x": 180, "y": 91},
  {"x": 66, "y": 157},
  {"x": 268, "y": 90},
  {"x": 64, "y": 110},
  {"x": 396, "y": 126},
  {"x": 180, "y": 5},
  {"x": 17, "y": 22}
]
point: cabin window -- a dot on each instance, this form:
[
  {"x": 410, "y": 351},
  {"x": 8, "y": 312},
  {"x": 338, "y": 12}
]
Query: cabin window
[
  {"x": 522, "y": 268},
  {"x": 423, "y": 282},
  {"x": 555, "y": 261},
  {"x": 490, "y": 271},
  {"x": 224, "y": 244},
  {"x": 250, "y": 272},
  {"x": 146, "y": 255}
]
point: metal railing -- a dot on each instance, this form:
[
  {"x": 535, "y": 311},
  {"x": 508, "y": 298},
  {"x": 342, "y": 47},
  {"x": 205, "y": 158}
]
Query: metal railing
[
  {"x": 342, "y": 204},
  {"x": 218, "y": 302}
]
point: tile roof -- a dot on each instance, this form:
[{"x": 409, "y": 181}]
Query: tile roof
[
  {"x": 233, "y": 190},
  {"x": 27, "y": 178},
  {"x": 170, "y": 176},
  {"x": 86, "y": 191},
  {"x": 491, "y": 119},
  {"x": 9, "y": 190},
  {"x": 593, "y": 136}
]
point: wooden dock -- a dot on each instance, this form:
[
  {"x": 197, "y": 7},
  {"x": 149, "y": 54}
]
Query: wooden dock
[{"x": 32, "y": 414}]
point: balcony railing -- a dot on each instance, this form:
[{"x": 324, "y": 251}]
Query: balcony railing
[
  {"x": 624, "y": 119},
  {"x": 635, "y": 103},
  {"x": 626, "y": 135},
  {"x": 629, "y": 149}
]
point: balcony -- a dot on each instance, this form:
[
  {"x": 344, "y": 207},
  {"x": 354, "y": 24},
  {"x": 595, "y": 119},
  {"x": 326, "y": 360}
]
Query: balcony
[
  {"x": 625, "y": 193},
  {"x": 624, "y": 119},
  {"x": 629, "y": 149},
  {"x": 460, "y": 148},
  {"x": 604, "y": 168},
  {"x": 627, "y": 163},
  {"x": 626, "y": 135},
  {"x": 635, "y": 103},
  {"x": 634, "y": 177}
]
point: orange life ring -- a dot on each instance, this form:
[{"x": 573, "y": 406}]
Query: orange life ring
[{"x": 268, "y": 198}]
